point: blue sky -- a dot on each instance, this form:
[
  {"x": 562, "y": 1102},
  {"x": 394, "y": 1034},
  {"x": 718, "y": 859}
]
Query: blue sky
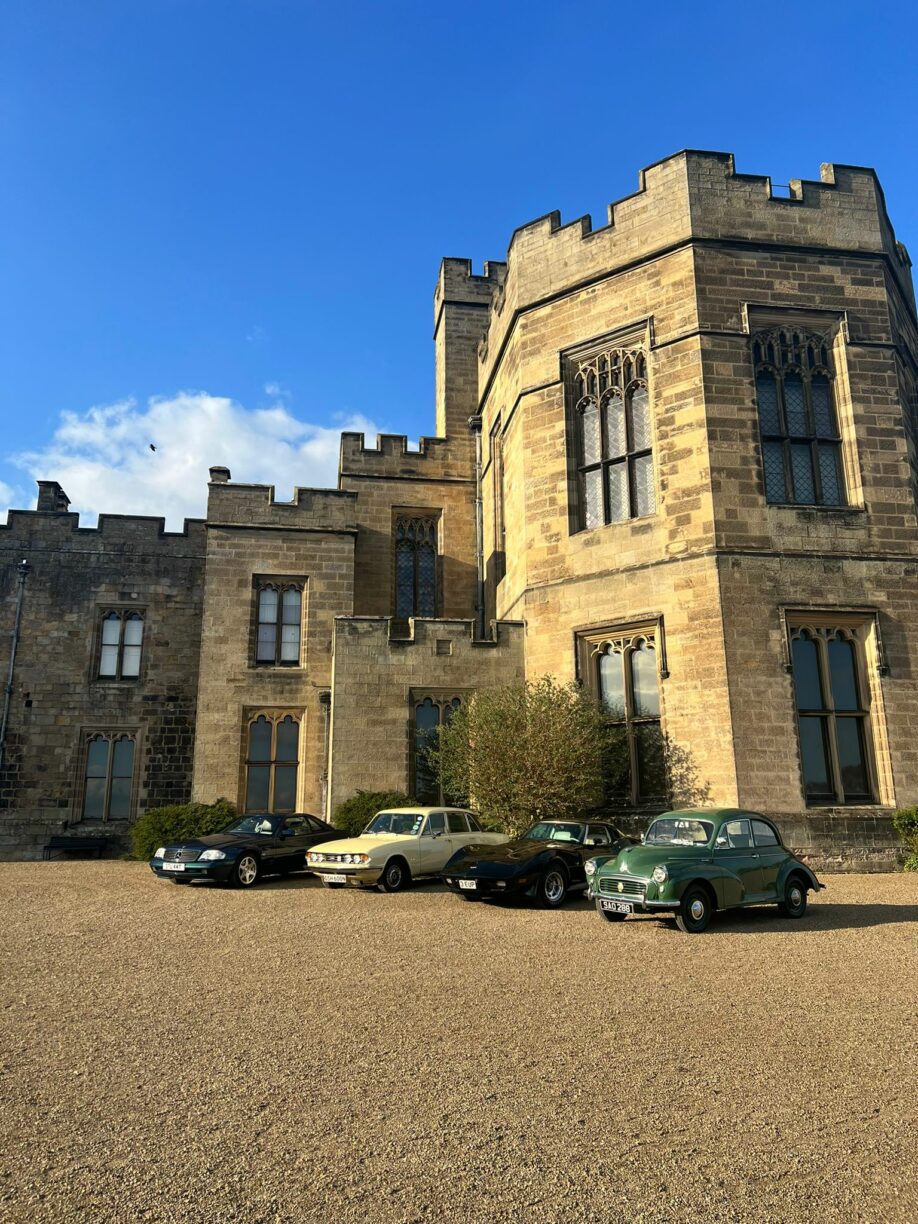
[{"x": 221, "y": 220}]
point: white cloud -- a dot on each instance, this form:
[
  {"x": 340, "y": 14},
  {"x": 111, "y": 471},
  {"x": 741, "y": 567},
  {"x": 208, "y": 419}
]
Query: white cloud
[{"x": 103, "y": 460}]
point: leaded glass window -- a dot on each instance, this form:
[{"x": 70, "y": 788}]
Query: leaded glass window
[
  {"x": 272, "y": 762},
  {"x": 626, "y": 678},
  {"x": 614, "y": 436},
  {"x": 415, "y": 566},
  {"x": 280, "y": 612},
  {"x": 121, "y": 645},
  {"x": 109, "y": 777},
  {"x": 832, "y": 715},
  {"x": 430, "y": 713},
  {"x": 801, "y": 446}
]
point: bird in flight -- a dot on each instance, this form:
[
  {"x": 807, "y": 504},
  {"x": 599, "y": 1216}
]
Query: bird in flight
[{"x": 152, "y": 447}]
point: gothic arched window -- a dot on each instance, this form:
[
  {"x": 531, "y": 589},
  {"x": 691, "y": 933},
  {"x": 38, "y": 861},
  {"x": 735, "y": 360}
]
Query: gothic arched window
[
  {"x": 415, "y": 566},
  {"x": 272, "y": 762},
  {"x": 430, "y": 713},
  {"x": 279, "y": 618},
  {"x": 628, "y": 685},
  {"x": 801, "y": 446},
  {"x": 614, "y": 437},
  {"x": 109, "y": 777}
]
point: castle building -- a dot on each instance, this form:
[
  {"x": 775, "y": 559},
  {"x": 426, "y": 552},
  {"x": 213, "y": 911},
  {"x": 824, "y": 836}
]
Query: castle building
[{"x": 676, "y": 459}]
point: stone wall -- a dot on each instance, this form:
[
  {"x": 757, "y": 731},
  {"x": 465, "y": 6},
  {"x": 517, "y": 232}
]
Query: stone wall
[{"x": 75, "y": 574}]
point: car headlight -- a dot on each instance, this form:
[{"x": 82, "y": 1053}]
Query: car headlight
[
  {"x": 590, "y": 867},
  {"x": 350, "y": 858},
  {"x": 660, "y": 875},
  {"x": 160, "y": 853},
  {"x": 316, "y": 858},
  {"x": 209, "y": 856}
]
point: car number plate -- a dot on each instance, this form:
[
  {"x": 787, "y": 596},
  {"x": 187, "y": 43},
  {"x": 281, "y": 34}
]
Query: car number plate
[
  {"x": 173, "y": 866},
  {"x": 470, "y": 884},
  {"x": 335, "y": 877},
  {"x": 617, "y": 907}
]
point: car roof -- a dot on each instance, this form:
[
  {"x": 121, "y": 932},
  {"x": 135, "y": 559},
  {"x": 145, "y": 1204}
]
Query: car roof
[
  {"x": 716, "y": 814},
  {"x": 425, "y": 811}
]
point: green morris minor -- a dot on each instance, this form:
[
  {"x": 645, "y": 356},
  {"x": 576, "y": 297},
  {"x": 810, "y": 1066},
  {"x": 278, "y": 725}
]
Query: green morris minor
[{"x": 695, "y": 862}]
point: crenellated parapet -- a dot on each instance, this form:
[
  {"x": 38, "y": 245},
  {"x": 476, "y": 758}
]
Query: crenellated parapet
[
  {"x": 116, "y": 533},
  {"x": 255, "y": 505},
  {"x": 392, "y": 456}
]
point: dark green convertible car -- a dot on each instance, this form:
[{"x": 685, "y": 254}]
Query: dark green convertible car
[{"x": 696, "y": 862}]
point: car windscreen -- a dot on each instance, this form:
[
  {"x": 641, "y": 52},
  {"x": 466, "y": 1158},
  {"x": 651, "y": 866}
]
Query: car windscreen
[
  {"x": 407, "y": 824},
  {"x": 678, "y": 831},
  {"x": 555, "y": 830},
  {"x": 266, "y": 825}
]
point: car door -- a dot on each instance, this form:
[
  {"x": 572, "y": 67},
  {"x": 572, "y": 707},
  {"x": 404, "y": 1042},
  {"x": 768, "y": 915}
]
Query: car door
[
  {"x": 295, "y": 839},
  {"x": 433, "y": 845},
  {"x": 772, "y": 856},
  {"x": 735, "y": 851},
  {"x": 598, "y": 840}
]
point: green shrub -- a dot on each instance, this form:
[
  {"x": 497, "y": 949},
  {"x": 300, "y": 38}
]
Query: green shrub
[
  {"x": 354, "y": 814},
  {"x": 905, "y": 822},
  {"x": 177, "y": 823}
]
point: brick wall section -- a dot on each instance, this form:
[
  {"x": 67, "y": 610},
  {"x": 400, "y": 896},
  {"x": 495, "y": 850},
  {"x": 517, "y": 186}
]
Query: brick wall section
[
  {"x": 374, "y": 677},
  {"x": 250, "y": 535},
  {"x": 75, "y": 572}
]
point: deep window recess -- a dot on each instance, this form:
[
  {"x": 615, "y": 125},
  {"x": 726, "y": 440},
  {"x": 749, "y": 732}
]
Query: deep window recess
[
  {"x": 430, "y": 713},
  {"x": 121, "y": 645},
  {"x": 272, "y": 761},
  {"x": 801, "y": 446},
  {"x": 614, "y": 436},
  {"x": 280, "y": 609},
  {"x": 832, "y": 714},
  {"x": 626, "y": 680},
  {"x": 109, "y": 780},
  {"x": 415, "y": 566}
]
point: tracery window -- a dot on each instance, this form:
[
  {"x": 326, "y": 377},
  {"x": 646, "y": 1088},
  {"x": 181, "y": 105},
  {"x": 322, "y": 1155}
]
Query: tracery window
[
  {"x": 109, "y": 777},
  {"x": 614, "y": 436},
  {"x": 832, "y": 712},
  {"x": 626, "y": 680},
  {"x": 801, "y": 446},
  {"x": 415, "y": 566},
  {"x": 121, "y": 645},
  {"x": 280, "y": 609},
  {"x": 272, "y": 763},
  {"x": 430, "y": 713}
]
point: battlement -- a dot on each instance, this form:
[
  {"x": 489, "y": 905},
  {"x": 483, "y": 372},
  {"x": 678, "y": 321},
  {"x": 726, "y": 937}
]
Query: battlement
[
  {"x": 457, "y": 283},
  {"x": 697, "y": 195},
  {"x": 61, "y": 530},
  {"x": 435, "y": 458},
  {"x": 253, "y": 505}
]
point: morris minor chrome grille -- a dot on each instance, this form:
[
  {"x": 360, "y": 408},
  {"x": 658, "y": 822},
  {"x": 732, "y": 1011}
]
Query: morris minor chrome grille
[
  {"x": 621, "y": 886},
  {"x": 182, "y": 856}
]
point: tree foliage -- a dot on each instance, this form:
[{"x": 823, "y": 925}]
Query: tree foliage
[
  {"x": 178, "y": 822},
  {"x": 905, "y": 822},
  {"x": 354, "y": 814},
  {"x": 526, "y": 752}
]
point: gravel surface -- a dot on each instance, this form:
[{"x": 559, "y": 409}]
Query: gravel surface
[{"x": 296, "y": 1054}]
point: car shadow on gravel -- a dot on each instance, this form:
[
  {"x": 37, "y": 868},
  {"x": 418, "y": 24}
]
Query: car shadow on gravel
[{"x": 823, "y": 916}]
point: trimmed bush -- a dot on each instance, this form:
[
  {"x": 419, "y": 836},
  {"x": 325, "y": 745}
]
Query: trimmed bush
[
  {"x": 354, "y": 814},
  {"x": 177, "y": 823},
  {"x": 905, "y": 822}
]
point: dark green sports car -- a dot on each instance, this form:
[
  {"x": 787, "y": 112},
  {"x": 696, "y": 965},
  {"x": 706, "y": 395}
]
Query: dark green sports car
[{"x": 696, "y": 862}]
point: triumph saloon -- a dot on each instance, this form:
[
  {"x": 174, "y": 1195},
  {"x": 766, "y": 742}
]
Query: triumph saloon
[
  {"x": 545, "y": 863},
  {"x": 243, "y": 852},
  {"x": 696, "y": 862}
]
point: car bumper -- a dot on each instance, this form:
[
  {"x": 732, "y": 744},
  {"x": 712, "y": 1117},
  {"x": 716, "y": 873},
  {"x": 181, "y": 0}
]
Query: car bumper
[
  {"x": 488, "y": 889},
  {"x": 353, "y": 877},
  {"x": 219, "y": 870},
  {"x": 641, "y": 902}
]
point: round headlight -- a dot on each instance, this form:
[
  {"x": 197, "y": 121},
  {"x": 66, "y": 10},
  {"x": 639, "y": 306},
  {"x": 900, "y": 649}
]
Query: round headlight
[
  {"x": 590, "y": 866},
  {"x": 660, "y": 875},
  {"x": 160, "y": 853},
  {"x": 348, "y": 858},
  {"x": 316, "y": 858}
]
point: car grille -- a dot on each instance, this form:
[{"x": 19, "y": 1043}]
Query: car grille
[
  {"x": 621, "y": 886},
  {"x": 181, "y": 856}
]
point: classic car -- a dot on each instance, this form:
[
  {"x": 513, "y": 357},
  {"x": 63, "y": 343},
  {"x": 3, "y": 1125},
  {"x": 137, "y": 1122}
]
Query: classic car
[
  {"x": 398, "y": 846},
  {"x": 251, "y": 847},
  {"x": 698, "y": 861},
  {"x": 545, "y": 863}
]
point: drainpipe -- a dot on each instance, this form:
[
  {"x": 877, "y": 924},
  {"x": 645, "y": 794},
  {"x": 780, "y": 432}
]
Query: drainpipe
[
  {"x": 475, "y": 427},
  {"x": 325, "y": 703},
  {"x": 23, "y": 570}
]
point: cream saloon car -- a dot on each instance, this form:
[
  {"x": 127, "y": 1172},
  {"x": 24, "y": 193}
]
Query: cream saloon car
[{"x": 398, "y": 846}]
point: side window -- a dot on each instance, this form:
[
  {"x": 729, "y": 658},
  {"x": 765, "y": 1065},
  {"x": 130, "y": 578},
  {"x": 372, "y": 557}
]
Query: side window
[
  {"x": 436, "y": 823},
  {"x": 314, "y": 824},
  {"x": 734, "y": 835},
  {"x": 764, "y": 834},
  {"x": 599, "y": 835},
  {"x": 296, "y": 823},
  {"x": 458, "y": 823}
]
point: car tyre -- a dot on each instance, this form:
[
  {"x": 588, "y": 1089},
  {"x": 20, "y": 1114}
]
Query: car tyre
[
  {"x": 246, "y": 871},
  {"x": 606, "y": 916},
  {"x": 793, "y": 904},
  {"x": 552, "y": 890},
  {"x": 396, "y": 876},
  {"x": 695, "y": 911}
]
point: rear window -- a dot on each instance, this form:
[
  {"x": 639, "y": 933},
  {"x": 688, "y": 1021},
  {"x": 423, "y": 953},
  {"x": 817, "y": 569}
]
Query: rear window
[{"x": 764, "y": 834}]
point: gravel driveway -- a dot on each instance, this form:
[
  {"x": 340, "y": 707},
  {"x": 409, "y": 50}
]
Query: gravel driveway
[{"x": 295, "y": 1054}]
